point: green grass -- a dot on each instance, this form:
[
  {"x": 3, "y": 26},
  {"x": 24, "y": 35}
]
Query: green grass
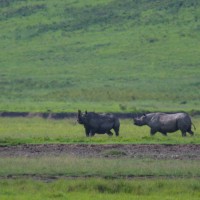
[
  {"x": 37, "y": 130},
  {"x": 99, "y": 55},
  {"x": 143, "y": 189},
  {"x": 39, "y": 173},
  {"x": 75, "y": 166}
]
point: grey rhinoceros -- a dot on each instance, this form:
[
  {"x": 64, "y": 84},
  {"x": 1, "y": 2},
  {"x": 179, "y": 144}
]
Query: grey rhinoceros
[
  {"x": 166, "y": 123},
  {"x": 98, "y": 123}
]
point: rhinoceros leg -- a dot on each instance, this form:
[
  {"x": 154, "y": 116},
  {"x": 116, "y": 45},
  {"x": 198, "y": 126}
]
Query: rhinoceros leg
[
  {"x": 109, "y": 133},
  {"x": 87, "y": 131},
  {"x": 190, "y": 131},
  {"x": 152, "y": 132},
  {"x": 164, "y": 133},
  {"x": 116, "y": 129},
  {"x": 91, "y": 133},
  {"x": 183, "y": 133}
]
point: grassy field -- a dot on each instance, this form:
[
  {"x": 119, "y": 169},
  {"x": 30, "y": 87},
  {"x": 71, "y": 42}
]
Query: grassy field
[
  {"x": 61, "y": 177},
  {"x": 75, "y": 166},
  {"x": 26, "y": 177},
  {"x": 103, "y": 56},
  {"x": 155, "y": 189},
  {"x": 38, "y": 130},
  {"x": 99, "y": 55}
]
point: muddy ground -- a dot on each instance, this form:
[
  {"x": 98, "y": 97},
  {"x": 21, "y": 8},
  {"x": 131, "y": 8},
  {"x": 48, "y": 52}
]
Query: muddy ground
[{"x": 188, "y": 151}]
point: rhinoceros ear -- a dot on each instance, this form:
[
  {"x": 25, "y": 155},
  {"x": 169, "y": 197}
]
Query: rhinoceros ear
[
  {"x": 79, "y": 112},
  {"x": 86, "y": 112}
]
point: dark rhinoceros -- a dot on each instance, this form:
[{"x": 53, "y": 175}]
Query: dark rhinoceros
[
  {"x": 98, "y": 123},
  {"x": 166, "y": 123}
]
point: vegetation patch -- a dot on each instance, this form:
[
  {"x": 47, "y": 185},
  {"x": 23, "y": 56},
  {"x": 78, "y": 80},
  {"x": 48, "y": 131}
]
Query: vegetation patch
[{"x": 114, "y": 153}]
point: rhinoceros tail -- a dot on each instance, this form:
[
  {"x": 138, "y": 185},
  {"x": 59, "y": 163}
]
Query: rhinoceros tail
[{"x": 194, "y": 126}]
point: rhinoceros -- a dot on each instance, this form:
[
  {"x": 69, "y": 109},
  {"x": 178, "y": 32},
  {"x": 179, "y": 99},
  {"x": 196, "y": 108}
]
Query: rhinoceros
[
  {"x": 166, "y": 123},
  {"x": 98, "y": 123}
]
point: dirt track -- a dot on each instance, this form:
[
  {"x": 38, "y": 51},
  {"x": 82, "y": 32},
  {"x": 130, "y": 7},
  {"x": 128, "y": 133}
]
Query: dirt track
[{"x": 109, "y": 151}]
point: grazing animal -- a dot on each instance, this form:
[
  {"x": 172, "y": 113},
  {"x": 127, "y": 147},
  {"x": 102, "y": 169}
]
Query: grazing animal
[
  {"x": 166, "y": 123},
  {"x": 98, "y": 123}
]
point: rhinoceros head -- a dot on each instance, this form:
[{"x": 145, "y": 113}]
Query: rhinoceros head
[
  {"x": 140, "y": 121},
  {"x": 81, "y": 118}
]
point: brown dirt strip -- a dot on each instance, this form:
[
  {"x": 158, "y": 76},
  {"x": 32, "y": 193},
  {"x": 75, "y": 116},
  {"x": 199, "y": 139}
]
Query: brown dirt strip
[{"x": 154, "y": 151}]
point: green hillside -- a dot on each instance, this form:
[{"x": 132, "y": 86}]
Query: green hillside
[{"x": 105, "y": 55}]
